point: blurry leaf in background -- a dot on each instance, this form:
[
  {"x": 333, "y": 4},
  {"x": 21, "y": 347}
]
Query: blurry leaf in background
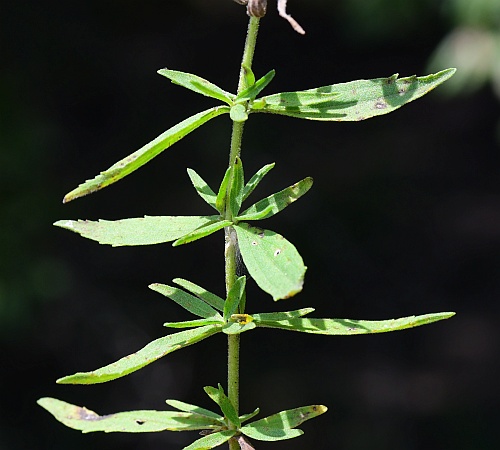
[{"x": 472, "y": 46}]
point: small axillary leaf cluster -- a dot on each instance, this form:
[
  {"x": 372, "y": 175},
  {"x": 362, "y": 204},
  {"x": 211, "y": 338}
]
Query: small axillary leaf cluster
[{"x": 269, "y": 258}]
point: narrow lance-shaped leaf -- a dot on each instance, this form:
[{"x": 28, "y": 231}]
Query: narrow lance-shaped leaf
[
  {"x": 219, "y": 397},
  {"x": 87, "y": 421},
  {"x": 189, "y": 302},
  {"x": 272, "y": 261},
  {"x": 352, "y": 101},
  {"x": 207, "y": 296},
  {"x": 277, "y": 316},
  {"x": 202, "y": 232},
  {"x": 146, "y": 230},
  {"x": 275, "y": 203},
  {"x": 211, "y": 441},
  {"x": 234, "y": 297},
  {"x": 145, "y": 154},
  {"x": 202, "y": 188},
  {"x": 198, "y": 85},
  {"x": 150, "y": 353},
  {"x": 220, "y": 201},
  {"x": 254, "y": 90},
  {"x": 246, "y": 417},
  {"x": 186, "y": 407},
  {"x": 350, "y": 326},
  {"x": 255, "y": 180},
  {"x": 236, "y": 188},
  {"x": 276, "y": 427},
  {"x": 194, "y": 323}
]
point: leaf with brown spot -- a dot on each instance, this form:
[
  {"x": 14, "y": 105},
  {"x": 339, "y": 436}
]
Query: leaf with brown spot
[
  {"x": 352, "y": 101},
  {"x": 87, "y": 421}
]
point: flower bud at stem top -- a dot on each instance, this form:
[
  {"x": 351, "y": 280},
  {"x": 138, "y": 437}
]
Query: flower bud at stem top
[{"x": 257, "y": 8}]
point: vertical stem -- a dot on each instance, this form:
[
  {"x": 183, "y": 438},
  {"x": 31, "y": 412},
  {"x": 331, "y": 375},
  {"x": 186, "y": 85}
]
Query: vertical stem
[{"x": 230, "y": 254}]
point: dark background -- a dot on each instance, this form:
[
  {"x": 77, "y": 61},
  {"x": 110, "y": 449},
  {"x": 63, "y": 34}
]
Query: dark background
[{"x": 404, "y": 218}]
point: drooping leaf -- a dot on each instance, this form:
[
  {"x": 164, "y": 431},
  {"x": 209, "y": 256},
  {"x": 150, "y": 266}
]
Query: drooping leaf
[
  {"x": 273, "y": 204},
  {"x": 194, "y": 323},
  {"x": 211, "y": 441},
  {"x": 145, "y": 154},
  {"x": 272, "y": 261},
  {"x": 277, "y": 426},
  {"x": 219, "y": 397},
  {"x": 198, "y": 85},
  {"x": 146, "y": 230},
  {"x": 186, "y": 407},
  {"x": 238, "y": 113},
  {"x": 189, "y": 302},
  {"x": 350, "y": 326},
  {"x": 150, "y": 353},
  {"x": 254, "y": 90},
  {"x": 255, "y": 180},
  {"x": 203, "y": 189},
  {"x": 211, "y": 299},
  {"x": 87, "y": 421},
  {"x": 352, "y": 101},
  {"x": 236, "y": 189},
  {"x": 203, "y": 231},
  {"x": 221, "y": 194},
  {"x": 234, "y": 297},
  {"x": 277, "y": 316}
]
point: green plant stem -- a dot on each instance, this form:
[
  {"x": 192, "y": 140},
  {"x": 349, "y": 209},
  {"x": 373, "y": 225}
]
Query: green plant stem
[{"x": 231, "y": 249}]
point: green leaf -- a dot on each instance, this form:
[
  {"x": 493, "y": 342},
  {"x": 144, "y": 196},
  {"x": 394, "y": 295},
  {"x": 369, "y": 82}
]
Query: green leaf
[
  {"x": 221, "y": 195},
  {"x": 193, "y": 323},
  {"x": 350, "y": 326},
  {"x": 212, "y": 440},
  {"x": 87, "y": 421},
  {"x": 146, "y": 230},
  {"x": 352, "y": 101},
  {"x": 248, "y": 75},
  {"x": 277, "y": 316},
  {"x": 189, "y": 302},
  {"x": 186, "y": 407},
  {"x": 254, "y": 90},
  {"x": 150, "y": 353},
  {"x": 211, "y": 299},
  {"x": 236, "y": 189},
  {"x": 277, "y": 426},
  {"x": 255, "y": 180},
  {"x": 271, "y": 434},
  {"x": 246, "y": 417},
  {"x": 312, "y": 97},
  {"x": 198, "y": 85},
  {"x": 237, "y": 327},
  {"x": 219, "y": 397},
  {"x": 203, "y": 189},
  {"x": 273, "y": 204},
  {"x": 145, "y": 154},
  {"x": 272, "y": 261},
  {"x": 234, "y": 297},
  {"x": 202, "y": 232},
  {"x": 238, "y": 113}
]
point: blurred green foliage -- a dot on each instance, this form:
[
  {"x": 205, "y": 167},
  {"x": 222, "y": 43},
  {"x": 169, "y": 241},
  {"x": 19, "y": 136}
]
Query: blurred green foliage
[{"x": 472, "y": 45}]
